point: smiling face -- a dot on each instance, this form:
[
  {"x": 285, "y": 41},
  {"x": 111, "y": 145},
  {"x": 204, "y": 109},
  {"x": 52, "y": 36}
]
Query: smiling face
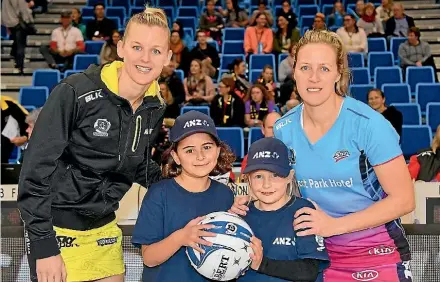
[
  {"x": 261, "y": 20},
  {"x": 269, "y": 189},
  {"x": 282, "y": 22},
  {"x": 316, "y": 73},
  {"x": 197, "y": 154},
  {"x": 375, "y": 100},
  {"x": 145, "y": 50}
]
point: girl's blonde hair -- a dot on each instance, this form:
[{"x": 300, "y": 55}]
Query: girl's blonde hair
[
  {"x": 332, "y": 39},
  {"x": 150, "y": 17}
]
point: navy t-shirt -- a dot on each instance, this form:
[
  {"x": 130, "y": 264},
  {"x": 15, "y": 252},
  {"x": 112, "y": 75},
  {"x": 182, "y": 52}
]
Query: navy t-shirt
[
  {"x": 168, "y": 207},
  {"x": 275, "y": 230}
]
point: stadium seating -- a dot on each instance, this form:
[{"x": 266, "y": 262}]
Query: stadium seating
[
  {"x": 377, "y": 45},
  {"x": 360, "y": 92},
  {"x": 82, "y": 62},
  {"x": 94, "y": 47},
  {"x": 384, "y": 75},
  {"x": 233, "y": 136},
  {"x": 360, "y": 76},
  {"x": 180, "y": 74},
  {"x": 202, "y": 109},
  {"x": 46, "y": 77},
  {"x": 394, "y": 46},
  {"x": 233, "y": 34},
  {"x": 356, "y": 60},
  {"x": 226, "y": 60},
  {"x": 255, "y": 134},
  {"x": 416, "y": 75},
  {"x": 33, "y": 96},
  {"x": 233, "y": 47},
  {"x": 396, "y": 93},
  {"x": 411, "y": 113},
  {"x": 410, "y": 144},
  {"x": 379, "y": 59},
  {"x": 427, "y": 92},
  {"x": 433, "y": 115}
]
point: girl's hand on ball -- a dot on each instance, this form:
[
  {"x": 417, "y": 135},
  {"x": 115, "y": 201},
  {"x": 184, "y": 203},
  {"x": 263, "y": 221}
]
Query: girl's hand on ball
[
  {"x": 239, "y": 207},
  {"x": 192, "y": 234},
  {"x": 257, "y": 256}
]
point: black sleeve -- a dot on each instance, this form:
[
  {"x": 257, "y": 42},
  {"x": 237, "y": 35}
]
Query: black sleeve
[
  {"x": 239, "y": 113},
  {"x": 216, "y": 114},
  {"x": 390, "y": 26},
  {"x": 90, "y": 30},
  {"x": 410, "y": 22},
  {"x": 49, "y": 139},
  {"x": 149, "y": 171},
  {"x": 19, "y": 116},
  {"x": 177, "y": 89},
  {"x": 215, "y": 58},
  {"x": 302, "y": 270}
]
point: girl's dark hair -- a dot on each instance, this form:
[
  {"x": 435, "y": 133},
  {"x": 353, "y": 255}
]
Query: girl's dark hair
[
  {"x": 376, "y": 90},
  {"x": 171, "y": 169},
  {"x": 80, "y": 15},
  {"x": 234, "y": 63},
  {"x": 179, "y": 32},
  {"x": 110, "y": 39},
  {"x": 355, "y": 22},
  {"x": 289, "y": 28},
  {"x": 259, "y": 14}
]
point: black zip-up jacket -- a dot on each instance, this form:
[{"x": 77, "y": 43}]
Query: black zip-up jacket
[{"x": 87, "y": 149}]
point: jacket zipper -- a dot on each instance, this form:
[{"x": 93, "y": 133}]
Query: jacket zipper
[
  {"x": 120, "y": 132},
  {"x": 148, "y": 149},
  {"x": 137, "y": 133}
]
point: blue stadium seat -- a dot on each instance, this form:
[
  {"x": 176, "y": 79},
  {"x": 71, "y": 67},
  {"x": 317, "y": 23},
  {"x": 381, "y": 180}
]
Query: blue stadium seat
[
  {"x": 305, "y": 2},
  {"x": 82, "y": 62},
  {"x": 226, "y": 60},
  {"x": 233, "y": 47},
  {"x": 87, "y": 11},
  {"x": 254, "y": 75},
  {"x": 416, "y": 75},
  {"x": 119, "y": 12},
  {"x": 411, "y": 113},
  {"x": 85, "y": 20},
  {"x": 162, "y": 3},
  {"x": 221, "y": 73},
  {"x": 46, "y": 77},
  {"x": 259, "y": 61},
  {"x": 15, "y": 155},
  {"x": 355, "y": 60},
  {"x": 189, "y": 31},
  {"x": 191, "y": 11},
  {"x": 360, "y": 76},
  {"x": 281, "y": 57},
  {"x": 306, "y": 21},
  {"x": 29, "y": 108},
  {"x": 230, "y": 33},
  {"x": 33, "y": 96},
  {"x": 384, "y": 75},
  {"x": 91, "y": 3},
  {"x": 4, "y": 33},
  {"x": 212, "y": 43},
  {"x": 326, "y": 2},
  {"x": 192, "y": 3},
  {"x": 117, "y": 21},
  {"x": 360, "y": 92},
  {"x": 396, "y": 93},
  {"x": 188, "y": 22},
  {"x": 180, "y": 74},
  {"x": 327, "y": 9},
  {"x": 202, "y": 109},
  {"x": 169, "y": 11},
  {"x": 426, "y": 93},
  {"x": 135, "y": 10},
  {"x": 377, "y": 45},
  {"x": 94, "y": 47},
  {"x": 411, "y": 145},
  {"x": 394, "y": 46},
  {"x": 254, "y": 135},
  {"x": 433, "y": 115},
  {"x": 70, "y": 72},
  {"x": 307, "y": 10},
  {"x": 380, "y": 59},
  {"x": 121, "y": 3},
  {"x": 233, "y": 136}
]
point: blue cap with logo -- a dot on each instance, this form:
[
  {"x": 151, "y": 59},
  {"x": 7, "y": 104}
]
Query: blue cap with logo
[
  {"x": 268, "y": 154},
  {"x": 192, "y": 122}
]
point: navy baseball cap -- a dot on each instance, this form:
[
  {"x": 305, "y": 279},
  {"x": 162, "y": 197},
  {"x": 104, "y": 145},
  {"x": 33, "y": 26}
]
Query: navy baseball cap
[
  {"x": 269, "y": 154},
  {"x": 192, "y": 122}
]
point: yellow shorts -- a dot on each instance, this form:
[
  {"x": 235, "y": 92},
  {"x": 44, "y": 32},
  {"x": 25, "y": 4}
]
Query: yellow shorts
[{"x": 92, "y": 254}]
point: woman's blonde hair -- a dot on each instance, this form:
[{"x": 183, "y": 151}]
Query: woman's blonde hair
[
  {"x": 151, "y": 17},
  {"x": 332, "y": 39},
  {"x": 436, "y": 140}
]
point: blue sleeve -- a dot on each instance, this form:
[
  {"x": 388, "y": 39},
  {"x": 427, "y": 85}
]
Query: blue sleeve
[
  {"x": 381, "y": 141},
  {"x": 149, "y": 224}
]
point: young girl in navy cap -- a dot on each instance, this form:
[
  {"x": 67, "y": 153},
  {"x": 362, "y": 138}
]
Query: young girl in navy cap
[
  {"x": 173, "y": 207},
  {"x": 285, "y": 256}
]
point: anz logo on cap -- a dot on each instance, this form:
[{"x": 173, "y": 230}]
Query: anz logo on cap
[
  {"x": 196, "y": 122},
  {"x": 266, "y": 155}
]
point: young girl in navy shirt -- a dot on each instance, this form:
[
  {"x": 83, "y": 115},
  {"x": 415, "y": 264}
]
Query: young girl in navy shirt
[
  {"x": 173, "y": 207},
  {"x": 285, "y": 256}
]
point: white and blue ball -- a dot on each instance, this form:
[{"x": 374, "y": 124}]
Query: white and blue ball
[{"x": 228, "y": 257}]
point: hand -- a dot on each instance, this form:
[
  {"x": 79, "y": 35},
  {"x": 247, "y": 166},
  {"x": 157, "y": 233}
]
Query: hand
[
  {"x": 191, "y": 234},
  {"x": 314, "y": 221},
  {"x": 239, "y": 207},
  {"x": 419, "y": 64},
  {"x": 68, "y": 53},
  {"x": 208, "y": 59},
  {"x": 18, "y": 141},
  {"x": 31, "y": 4},
  {"x": 51, "y": 269},
  {"x": 269, "y": 87},
  {"x": 257, "y": 256}
]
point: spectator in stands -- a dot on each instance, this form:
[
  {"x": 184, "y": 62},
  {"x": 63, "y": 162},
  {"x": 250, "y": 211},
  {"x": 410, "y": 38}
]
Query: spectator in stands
[
  {"x": 30, "y": 120},
  {"x": 234, "y": 15},
  {"x": 359, "y": 12},
  {"x": 212, "y": 22},
  {"x": 258, "y": 39},
  {"x": 285, "y": 36},
  {"x": 370, "y": 23},
  {"x": 376, "y": 100},
  {"x": 181, "y": 53},
  {"x": 287, "y": 93},
  {"x": 285, "y": 67},
  {"x": 77, "y": 22},
  {"x": 172, "y": 110},
  {"x": 206, "y": 53},
  {"x": 258, "y": 103},
  {"x": 227, "y": 109},
  {"x": 425, "y": 166},
  {"x": 199, "y": 88},
  {"x": 399, "y": 24},
  {"x": 238, "y": 74},
  {"x": 337, "y": 16},
  {"x": 101, "y": 27},
  {"x": 262, "y": 8},
  {"x": 294, "y": 101},
  {"x": 173, "y": 82},
  {"x": 288, "y": 13},
  {"x": 109, "y": 51},
  {"x": 319, "y": 22},
  {"x": 384, "y": 11},
  {"x": 353, "y": 37},
  {"x": 187, "y": 40},
  {"x": 415, "y": 52},
  {"x": 15, "y": 15},
  {"x": 13, "y": 115},
  {"x": 66, "y": 42},
  {"x": 267, "y": 80}
]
